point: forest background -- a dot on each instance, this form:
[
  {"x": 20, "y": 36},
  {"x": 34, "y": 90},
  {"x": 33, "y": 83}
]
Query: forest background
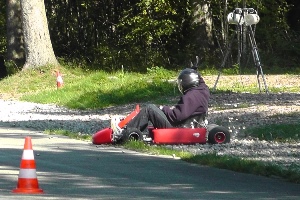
[{"x": 140, "y": 34}]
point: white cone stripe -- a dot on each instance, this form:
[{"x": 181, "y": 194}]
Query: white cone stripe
[
  {"x": 59, "y": 79},
  {"x": 27, "y": 173},
  {"x": 28, "y": 155}
]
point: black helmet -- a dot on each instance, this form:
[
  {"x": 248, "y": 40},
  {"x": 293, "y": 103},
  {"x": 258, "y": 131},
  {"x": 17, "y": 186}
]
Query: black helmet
[{"x": 187, "y": 79}]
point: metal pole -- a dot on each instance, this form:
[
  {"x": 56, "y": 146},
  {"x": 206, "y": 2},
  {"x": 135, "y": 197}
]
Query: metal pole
[
  {"x": 256, "y": 60},
  {"x": 225, "y": 58}
]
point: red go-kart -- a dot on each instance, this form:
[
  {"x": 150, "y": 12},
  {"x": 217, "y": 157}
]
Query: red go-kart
[{"x": 212, "y": 133}]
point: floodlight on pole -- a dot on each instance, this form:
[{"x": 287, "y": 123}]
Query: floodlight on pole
[{"x": 247, "y": 16}]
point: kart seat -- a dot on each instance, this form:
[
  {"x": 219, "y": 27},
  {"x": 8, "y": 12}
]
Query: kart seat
[{"x": 195, "y": 121}]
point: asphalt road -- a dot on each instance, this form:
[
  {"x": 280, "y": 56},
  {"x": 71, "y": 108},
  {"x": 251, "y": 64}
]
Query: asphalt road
[{"x": 73, "y": 169}]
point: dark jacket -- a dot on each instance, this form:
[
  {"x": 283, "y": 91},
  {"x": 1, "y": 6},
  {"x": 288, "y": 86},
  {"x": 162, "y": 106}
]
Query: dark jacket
[{"x": 193, "y": 102}]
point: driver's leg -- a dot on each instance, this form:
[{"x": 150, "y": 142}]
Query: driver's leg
[
  {"x": 157, "y": 117},
  {"x": 150, "y": 113}
]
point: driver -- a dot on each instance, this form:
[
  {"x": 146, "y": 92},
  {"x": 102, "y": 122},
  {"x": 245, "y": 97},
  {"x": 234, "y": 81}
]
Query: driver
[{"x": 190, "y": 110}]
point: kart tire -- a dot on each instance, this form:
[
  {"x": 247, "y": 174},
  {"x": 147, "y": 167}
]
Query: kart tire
[
  {"x": 132, "y": 135},
  {"x": 217, "y": 134}
]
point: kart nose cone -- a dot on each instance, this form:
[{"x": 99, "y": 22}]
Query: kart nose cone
[{"x": 103, "y": 136}]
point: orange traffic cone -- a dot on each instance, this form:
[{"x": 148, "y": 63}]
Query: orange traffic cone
[
  {"x": 59, "y": 79},
  {"x": 27, "y": 180}
]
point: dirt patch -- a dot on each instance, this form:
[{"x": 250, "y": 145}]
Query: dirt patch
[
  {"x": 241, "y": 111},
  {"x": 275, "y": 81}
]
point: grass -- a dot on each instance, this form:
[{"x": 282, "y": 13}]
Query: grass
[
  {"x": 233, "y": 163},
  {"x": 88, "y": 89},
  {"x": 237, "y": 164},
  {"x": 69, "y": 134},
  {"x": 85, "y": 89},
  {"x": 276, "y": 132},
  {"x": 156, "y": 150}
]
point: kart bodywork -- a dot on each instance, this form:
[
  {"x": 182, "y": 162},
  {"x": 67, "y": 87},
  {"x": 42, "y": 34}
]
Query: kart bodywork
[{"x": 212, "y": 133}]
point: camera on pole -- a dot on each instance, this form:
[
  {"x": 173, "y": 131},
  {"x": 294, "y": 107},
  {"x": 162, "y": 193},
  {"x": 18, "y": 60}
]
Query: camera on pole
[{"x": 244, "y": 18}]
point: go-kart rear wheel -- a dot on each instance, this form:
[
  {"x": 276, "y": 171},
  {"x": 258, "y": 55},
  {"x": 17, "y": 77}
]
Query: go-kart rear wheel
[
  {"x": 218, "y": 134},
  {"x": 132, "y": 134}
]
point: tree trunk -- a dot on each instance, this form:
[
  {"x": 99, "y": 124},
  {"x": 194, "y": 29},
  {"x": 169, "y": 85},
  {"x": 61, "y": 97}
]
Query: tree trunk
[
  {"x": 203, "y": 33},
  {"x": 203, "y": 18},
  {"x": 14, "y": 33},
  {"x": 38, "y": 46}
]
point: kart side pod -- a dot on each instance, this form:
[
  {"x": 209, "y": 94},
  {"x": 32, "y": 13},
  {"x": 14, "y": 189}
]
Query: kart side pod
[{"x": 179, "y": 136}]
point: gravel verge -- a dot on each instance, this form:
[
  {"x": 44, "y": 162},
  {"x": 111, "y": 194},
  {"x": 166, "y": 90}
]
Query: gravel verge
[{"x": 238, "y": 112}]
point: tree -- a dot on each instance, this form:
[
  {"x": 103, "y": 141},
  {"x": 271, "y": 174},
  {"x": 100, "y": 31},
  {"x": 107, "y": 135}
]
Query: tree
[
  {"x": 38, "y": 46},
  {"x": 203, "y": 33},
  {"x": 14, "y": 34}
]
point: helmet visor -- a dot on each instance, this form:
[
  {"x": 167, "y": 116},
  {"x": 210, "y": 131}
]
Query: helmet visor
[{"x": 179, "y": 84}]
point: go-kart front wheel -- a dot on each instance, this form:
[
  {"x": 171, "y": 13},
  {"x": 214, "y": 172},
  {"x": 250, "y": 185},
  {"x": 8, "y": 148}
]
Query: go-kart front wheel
[
  {"x": 132, "y": 134},
  {"x": 218, "y": 134}
]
